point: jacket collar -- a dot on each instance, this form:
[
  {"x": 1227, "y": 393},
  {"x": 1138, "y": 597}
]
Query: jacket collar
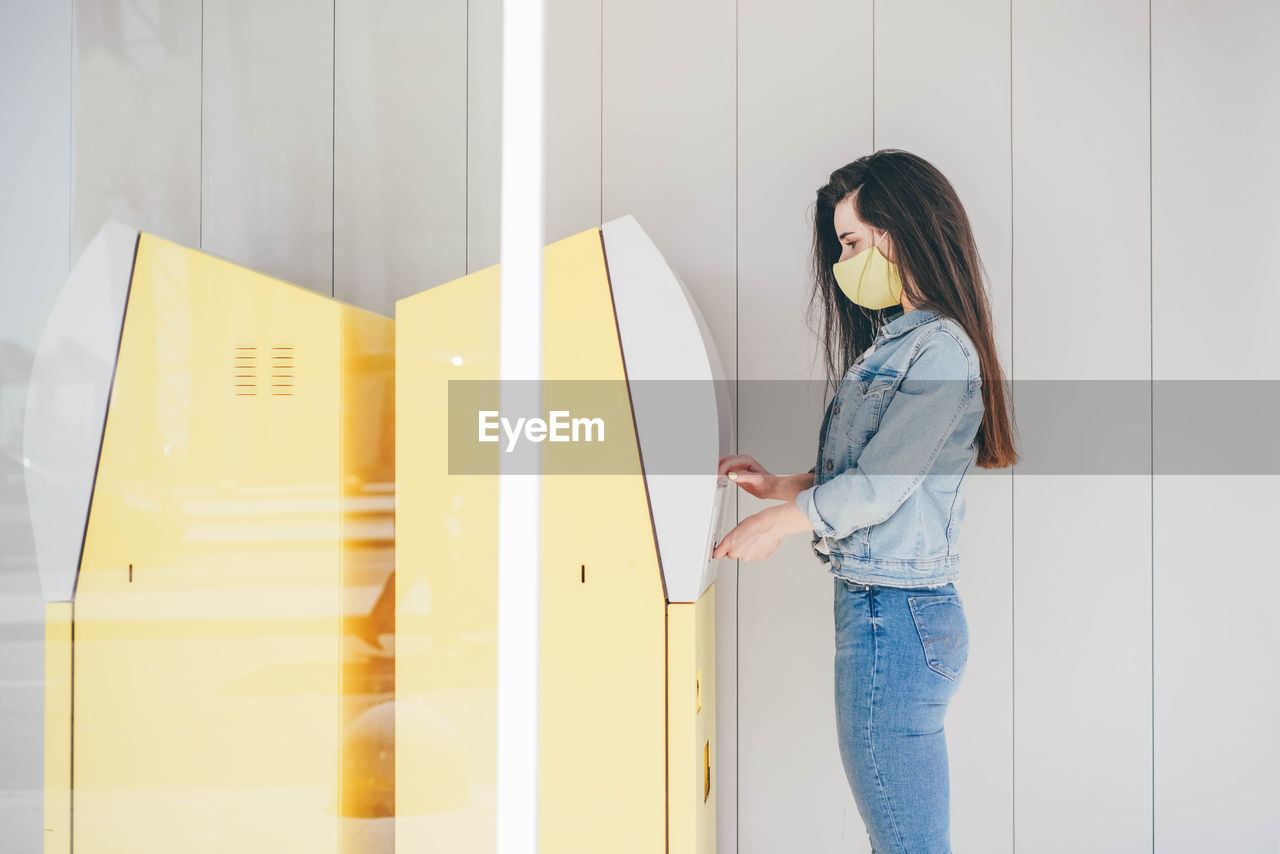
[{"x": 905, "y": 321}]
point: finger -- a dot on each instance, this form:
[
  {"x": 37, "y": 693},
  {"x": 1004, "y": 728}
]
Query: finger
[
  {"x": 734, "y": 471},
  {"x": 734, "y": 461}
]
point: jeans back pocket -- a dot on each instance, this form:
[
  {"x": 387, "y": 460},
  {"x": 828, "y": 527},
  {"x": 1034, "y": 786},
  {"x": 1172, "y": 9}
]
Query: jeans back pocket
[{"x": 944, "y": 632}]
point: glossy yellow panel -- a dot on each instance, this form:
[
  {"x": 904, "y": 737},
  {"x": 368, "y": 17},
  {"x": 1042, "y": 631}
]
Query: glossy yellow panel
[
  {"x": 57, "y": 728},
  {"x": 446, "y": 556},
  {"x": 603, "y": 653},
  {"x": 209, "y": 631},
  {"x": 691, "y": 716},
  {"x": 602, "y": 767},
  {"x": 704, "y": 798},
  {"x": 367, "y": 795}
]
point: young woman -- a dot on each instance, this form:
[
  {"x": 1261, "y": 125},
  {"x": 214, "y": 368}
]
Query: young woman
[{"x": 920, "y": 399}]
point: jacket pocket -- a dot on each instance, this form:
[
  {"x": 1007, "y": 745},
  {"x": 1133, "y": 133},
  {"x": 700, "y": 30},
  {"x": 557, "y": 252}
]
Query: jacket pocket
[
  {"x": 944, "y": 632},
  {"x": 866, "y": 404}
]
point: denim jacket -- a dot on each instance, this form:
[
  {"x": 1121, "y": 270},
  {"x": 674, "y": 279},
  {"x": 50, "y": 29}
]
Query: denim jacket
[{"x": 896, "y": 442}]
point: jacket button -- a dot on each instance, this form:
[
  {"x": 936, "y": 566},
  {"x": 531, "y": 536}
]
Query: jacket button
[
  {"x": 828, "y": 465},
  {"x": 837, "y": 409}
]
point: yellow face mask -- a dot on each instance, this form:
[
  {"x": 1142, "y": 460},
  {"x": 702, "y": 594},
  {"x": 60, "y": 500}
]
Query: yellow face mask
[{"x": 869, "y": 278}]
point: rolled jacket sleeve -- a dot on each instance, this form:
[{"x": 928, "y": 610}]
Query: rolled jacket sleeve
[{"x": 934, "y": 393}]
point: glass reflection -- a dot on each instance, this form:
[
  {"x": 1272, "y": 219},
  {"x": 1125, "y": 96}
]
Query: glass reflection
[{"x": 232, "y": 641}]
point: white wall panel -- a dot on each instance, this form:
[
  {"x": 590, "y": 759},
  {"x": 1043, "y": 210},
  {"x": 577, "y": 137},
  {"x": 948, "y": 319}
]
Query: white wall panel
[
  {"x": 943, "y": 92},
  {"x": 1082, "y": 551},
  {"x": 484, "y": 130},
  {"x": 802, "y": 113},
  {"x": 268, "y": 137},
  {"x": 137, "y": 118},
  {"x": 35, "y": 225},
  {"x": 1215, "y": 133},
  {"x": 573, "y": 200},
  {"x": 400, "y": 156},
  {"x": 668, "y": 142}
]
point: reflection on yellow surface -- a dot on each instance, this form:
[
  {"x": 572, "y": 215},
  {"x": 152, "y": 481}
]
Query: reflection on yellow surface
[
  {"x": 232, "y": 612},
  {"x": 57, "y": 727},
  {"x": 691, "y": 710},
  {"x": 242, "y": 669},
  {"x": 603, "y": 744}
]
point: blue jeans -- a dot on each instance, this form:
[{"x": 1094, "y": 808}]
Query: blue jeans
[{"x": 900, "y": 656}]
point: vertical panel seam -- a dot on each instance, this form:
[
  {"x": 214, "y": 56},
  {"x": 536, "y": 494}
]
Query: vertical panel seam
[
  {"x": 339, "y": 799},
  {"x": 71, "y": 130},
  {"x": 333, "y": 155},
  {"x": 1151, "y": 368},
  {"x": 466, "y": 145},
  {"x": 1013, "y": 503},
  {"x": 737, "y": 418},
  {"x": 200, "y": 213},
  {"x": 601, "y": 185}
]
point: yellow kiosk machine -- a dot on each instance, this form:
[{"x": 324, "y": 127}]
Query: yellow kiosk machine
[
  {"x": 232, "y": 665},
  {"x": 211, "y": 483},
  {"x": 630, "y": 512}
]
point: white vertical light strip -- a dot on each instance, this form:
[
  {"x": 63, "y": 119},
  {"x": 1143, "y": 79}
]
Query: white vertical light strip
[{"x": 520, "y": 359}]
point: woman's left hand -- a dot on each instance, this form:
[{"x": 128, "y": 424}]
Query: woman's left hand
[{"x": 757, "y": 536}]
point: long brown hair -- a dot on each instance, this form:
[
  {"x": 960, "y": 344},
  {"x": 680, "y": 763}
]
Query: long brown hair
[{"x": 938, "y": 261}]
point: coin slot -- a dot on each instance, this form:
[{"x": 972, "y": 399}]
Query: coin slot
[{"x": 706, "y": 771}]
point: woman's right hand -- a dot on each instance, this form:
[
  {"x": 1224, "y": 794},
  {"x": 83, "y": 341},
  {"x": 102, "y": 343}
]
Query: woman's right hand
[{"x": 752, "y": 476}]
